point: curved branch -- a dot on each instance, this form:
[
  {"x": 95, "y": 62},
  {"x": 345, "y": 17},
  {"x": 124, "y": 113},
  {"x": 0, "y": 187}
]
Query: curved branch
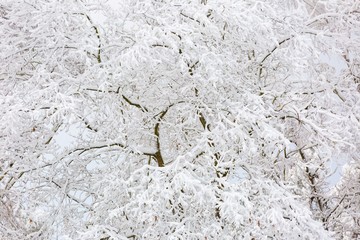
[
  {"x": 142, "y": 108},
  {"x": 161, "y": 115},
  {"x": 85, "y": 149},
  {"x": 97, "y": 35},
  {"x": 273, "y": 50},
  {"x": 158, "y": 155}
]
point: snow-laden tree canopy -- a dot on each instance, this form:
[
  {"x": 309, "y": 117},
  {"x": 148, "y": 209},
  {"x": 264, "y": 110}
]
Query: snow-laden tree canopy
[{"x": 195, "y": 119}]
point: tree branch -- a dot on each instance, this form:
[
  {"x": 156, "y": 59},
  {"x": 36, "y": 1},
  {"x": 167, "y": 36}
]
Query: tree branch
[
  {"x": 142, "y": 108},
  {"x": 97, "y": 35}
]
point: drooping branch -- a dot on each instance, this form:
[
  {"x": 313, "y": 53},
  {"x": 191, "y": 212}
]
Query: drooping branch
[
  {"x": 81, "y": 151},
  {"x": 98, "y": 37},
  {"x": 85, "y": 149},
  {"x": 142, "y": 108},
  {"x": 270, "y": 53},
  {"x": 273, "y": 50},
  {"x": 276, "y": 47},
  {"x": 97, "y": 32},
  {"x": 137, "y": 105}
]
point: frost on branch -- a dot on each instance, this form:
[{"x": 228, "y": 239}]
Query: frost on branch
[{"x": 167, "y": 120}]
